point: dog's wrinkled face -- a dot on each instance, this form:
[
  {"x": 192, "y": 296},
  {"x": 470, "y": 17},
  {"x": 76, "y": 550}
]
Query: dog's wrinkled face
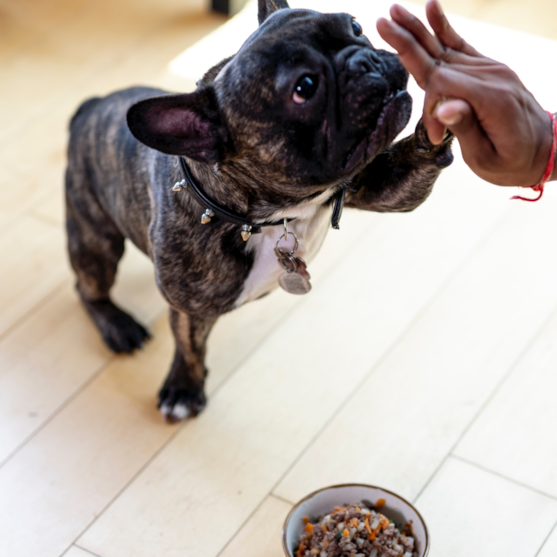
[
  {"x": 307, "y": 100},
  {"x": 325, "y": 101}
]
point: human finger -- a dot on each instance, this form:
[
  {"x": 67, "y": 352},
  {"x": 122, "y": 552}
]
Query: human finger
[
  {"x": 435, "y": 129},
  {"x": 453, "y": 112},
  {"x": 462, "y": 53},
  {"x": 444, "y": 30},
  {"x": 411, "y": 23},
  {"x": 445, "y": 83},
  {"x": 412, "y": 55},
  {"x": 459, "y": 117}
]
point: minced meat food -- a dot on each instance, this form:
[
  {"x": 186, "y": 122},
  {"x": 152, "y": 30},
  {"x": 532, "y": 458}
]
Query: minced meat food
[{"x": 356, "y": 530}]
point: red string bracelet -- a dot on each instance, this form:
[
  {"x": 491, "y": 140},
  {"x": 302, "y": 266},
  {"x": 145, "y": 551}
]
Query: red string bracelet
[{"x": 550, "y": 166}]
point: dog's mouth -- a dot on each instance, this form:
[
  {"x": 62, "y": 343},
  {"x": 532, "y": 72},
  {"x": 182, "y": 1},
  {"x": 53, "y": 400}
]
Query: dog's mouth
[{"x": 392, "y": 119}]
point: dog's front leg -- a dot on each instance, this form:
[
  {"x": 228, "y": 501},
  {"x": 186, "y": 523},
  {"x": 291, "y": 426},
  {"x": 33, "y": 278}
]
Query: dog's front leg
[
  {"x": 183, "y": 393},
  {"x": 401, "y": 178}
]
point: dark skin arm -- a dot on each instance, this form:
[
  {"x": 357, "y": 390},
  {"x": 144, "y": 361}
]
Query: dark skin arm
[{"x": 505, "y": 135}]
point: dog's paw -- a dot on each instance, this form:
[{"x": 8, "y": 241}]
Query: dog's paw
[
  {"x": 176, "y": 404},
  {"x": 125, "y": 335},
  {"x": 120, "y": 331}
]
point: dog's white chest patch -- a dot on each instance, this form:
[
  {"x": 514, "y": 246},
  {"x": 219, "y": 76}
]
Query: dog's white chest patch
[{"x": 310, "y": 228}]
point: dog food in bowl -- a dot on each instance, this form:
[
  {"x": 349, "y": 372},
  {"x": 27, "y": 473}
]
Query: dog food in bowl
[{"x": 356, "y": 530}]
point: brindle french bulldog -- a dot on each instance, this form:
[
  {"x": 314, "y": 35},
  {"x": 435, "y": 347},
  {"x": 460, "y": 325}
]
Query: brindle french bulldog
[{"x": 307, "y": 110}]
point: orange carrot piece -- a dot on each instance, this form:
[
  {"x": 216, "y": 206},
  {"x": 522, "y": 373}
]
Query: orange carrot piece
[
  {"x": 368, "y": 527},
  {"x": 354, "y": 522},
  {"x": 306, "y": 519},
  {"x": 380, "y": 503},
  {"x": 324, "y": 528},
  {"x": 346, "y": 532},
  {"x": 326, "y": 543},
  {"x": 301, "y": 550},
  {"x": 309, "y": 528}
]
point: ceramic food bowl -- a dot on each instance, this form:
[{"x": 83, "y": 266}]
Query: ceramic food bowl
[{"x": 323, "y": 501}]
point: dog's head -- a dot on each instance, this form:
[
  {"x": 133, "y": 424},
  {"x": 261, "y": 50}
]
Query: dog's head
[{"x": 306, "y": 101}]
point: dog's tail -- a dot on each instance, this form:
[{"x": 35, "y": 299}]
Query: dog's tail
[{"x": 84, "y": 107}]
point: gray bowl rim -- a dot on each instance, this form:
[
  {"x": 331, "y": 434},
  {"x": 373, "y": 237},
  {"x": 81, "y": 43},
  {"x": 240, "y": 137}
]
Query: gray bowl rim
[{"x": 287, "y": 520}]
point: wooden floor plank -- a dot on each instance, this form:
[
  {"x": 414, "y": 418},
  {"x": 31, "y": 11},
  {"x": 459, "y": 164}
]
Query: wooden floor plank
[
  {"x": 124, "y": 396},
  {"x": 98, "y": 35},
  {"x": 471, "y": 512},
  {"x": 261, "y": 535},
  {"x": 51, "y": 356},
  {"x": 501, "y": 438},
  {"x": 37, "y": 266},
  {"x": 34, "y": 174},
  {"x": 422, "y": 397},
  {"x": 65, "y": 476}
]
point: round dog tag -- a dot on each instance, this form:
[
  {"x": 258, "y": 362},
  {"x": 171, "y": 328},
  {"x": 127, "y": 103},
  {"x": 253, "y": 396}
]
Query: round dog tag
[{"x": 294, "y": 283}]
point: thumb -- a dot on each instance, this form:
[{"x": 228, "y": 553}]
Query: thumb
[
  {"x": 454, "y": 113},
  {"x": 459, "y": 117}
]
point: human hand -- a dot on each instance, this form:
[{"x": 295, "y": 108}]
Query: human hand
[{"x": 505, "y": 136}]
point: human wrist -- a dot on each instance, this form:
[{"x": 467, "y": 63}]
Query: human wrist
[
  {"x": 545, "y": 155},
  {"x": 553, "y": 176},
  {"x": 544, "y": 151}
]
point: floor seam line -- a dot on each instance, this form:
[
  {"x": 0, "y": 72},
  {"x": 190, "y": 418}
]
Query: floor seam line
[
  {"x": 281, "y": 499},
  {"x": 82, "y": 549},
  {"x": 58, "y": 410},
  {"x": 32, "y": 310},
  {"x": 503, "y": 476},
  {"x": 241, "y": 527},
  {"x": 546, "y": 540}
]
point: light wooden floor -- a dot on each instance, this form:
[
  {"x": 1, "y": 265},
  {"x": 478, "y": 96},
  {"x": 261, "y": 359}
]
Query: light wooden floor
[{"x": 439, "y": 325}]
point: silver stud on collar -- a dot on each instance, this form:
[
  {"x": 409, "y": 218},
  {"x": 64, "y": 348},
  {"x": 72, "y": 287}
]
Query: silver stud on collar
[
  {"x": 179, "y": 186},
  {"x": 246, "y": 232},
  {"x": 206, "y": 216}
]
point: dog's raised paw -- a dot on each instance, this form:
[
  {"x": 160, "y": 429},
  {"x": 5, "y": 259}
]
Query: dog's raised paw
[{"x": 177, "y": 404}]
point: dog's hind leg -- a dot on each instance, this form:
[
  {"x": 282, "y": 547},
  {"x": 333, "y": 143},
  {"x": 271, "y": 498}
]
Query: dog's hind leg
[
  {"x": 182, "y": 394},
  {"x": 95, "y": 247}
]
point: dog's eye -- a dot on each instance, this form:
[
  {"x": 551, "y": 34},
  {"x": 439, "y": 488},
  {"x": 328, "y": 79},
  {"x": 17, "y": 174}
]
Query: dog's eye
[
  {"x": 357, "y": 28},
  {"x": 305, "y": 89}
]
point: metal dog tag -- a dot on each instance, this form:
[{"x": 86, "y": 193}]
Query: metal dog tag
[
  {"x": 296, "y": 278},
  {"x": 294, "y": 283}
]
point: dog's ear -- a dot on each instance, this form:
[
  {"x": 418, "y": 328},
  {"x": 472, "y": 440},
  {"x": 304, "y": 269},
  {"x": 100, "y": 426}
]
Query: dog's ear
[
  {"x": 267, "y": 7},
  {"x": 188, "y": 124}
]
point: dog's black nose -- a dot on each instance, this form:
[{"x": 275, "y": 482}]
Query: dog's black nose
[{"x": 360, "y": 63}]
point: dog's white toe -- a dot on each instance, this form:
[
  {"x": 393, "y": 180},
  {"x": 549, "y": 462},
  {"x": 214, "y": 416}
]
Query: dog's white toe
[
  {"x": 165, "y": 409},
  {"x": 180, "y": 412}
]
